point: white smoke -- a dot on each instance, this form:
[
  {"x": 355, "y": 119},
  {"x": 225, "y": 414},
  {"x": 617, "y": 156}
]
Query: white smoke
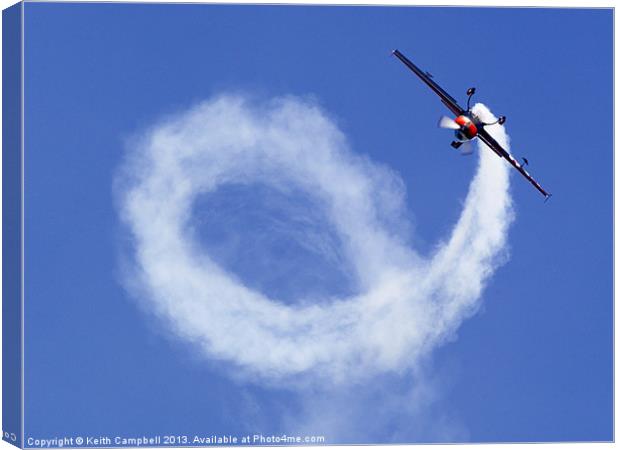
[{"x": 406, "y": 304}]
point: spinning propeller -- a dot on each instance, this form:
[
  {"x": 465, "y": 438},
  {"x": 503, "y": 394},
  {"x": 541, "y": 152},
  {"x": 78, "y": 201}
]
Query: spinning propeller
[
  {"x": 446, "y": 122},
  {"x": 464, "y": 147}
]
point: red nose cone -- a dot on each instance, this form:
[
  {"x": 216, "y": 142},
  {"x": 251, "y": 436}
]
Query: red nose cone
[{"x": 467, "y": 126}]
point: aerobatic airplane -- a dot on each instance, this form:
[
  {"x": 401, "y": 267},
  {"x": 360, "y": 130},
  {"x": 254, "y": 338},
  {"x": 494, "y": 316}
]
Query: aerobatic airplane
[{"x": 467, "y": 126}]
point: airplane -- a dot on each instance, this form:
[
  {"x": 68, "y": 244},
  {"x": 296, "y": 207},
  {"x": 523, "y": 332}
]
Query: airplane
[{"x": 467, "y": 126}]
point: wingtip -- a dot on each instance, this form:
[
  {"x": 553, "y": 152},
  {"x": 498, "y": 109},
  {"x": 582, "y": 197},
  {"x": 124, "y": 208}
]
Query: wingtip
[{"x": 547, "y": 197}]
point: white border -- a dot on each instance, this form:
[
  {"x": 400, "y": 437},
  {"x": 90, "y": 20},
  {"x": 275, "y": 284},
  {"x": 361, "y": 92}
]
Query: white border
[{"x": 475, "y": 3}]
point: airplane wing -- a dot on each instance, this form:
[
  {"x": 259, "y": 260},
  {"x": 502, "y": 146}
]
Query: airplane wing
[
  {"x": 446, "y": 99},
  {"x": 494, "y": 145}
]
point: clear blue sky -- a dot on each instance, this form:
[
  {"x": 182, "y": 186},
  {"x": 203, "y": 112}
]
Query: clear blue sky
[{"x": 535, "y": 364}]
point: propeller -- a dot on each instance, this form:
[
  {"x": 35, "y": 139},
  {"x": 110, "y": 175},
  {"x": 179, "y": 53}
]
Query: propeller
[
  {"x": 446, "y": 122},
  {"x": 467, "y": 148}
]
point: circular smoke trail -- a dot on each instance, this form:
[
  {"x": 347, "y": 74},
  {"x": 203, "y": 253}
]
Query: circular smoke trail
[{"x": 406, "y": 304}]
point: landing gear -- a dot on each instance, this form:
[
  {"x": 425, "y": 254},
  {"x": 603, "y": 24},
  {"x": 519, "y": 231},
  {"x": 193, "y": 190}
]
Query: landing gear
[
  {"x": 500, "y": 121},
  {"x": 470, "y": 92},
  {"x": 456, "y": 144}
]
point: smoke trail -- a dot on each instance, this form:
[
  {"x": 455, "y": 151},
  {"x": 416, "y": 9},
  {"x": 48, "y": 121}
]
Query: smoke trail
[{"x": 405, "y": 304}]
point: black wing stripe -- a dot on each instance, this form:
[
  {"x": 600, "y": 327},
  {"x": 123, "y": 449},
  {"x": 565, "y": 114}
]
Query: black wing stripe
[
  {"x": 494, "y": 145},
  {"x": 446, "y": 98}
]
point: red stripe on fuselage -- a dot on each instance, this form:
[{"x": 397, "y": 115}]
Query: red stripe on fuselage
[{"x": 468, "y": 127}]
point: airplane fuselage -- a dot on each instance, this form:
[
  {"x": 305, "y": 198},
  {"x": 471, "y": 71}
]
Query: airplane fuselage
[{"x": 468, "y": 127}]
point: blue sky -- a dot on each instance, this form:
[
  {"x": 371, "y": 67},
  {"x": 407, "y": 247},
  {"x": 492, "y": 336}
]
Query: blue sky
[{"x": 535, "y": 362}]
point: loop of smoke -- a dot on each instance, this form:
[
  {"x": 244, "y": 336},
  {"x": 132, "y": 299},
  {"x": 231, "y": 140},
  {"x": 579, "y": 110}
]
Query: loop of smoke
[{"x": 406, "y": 305}]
